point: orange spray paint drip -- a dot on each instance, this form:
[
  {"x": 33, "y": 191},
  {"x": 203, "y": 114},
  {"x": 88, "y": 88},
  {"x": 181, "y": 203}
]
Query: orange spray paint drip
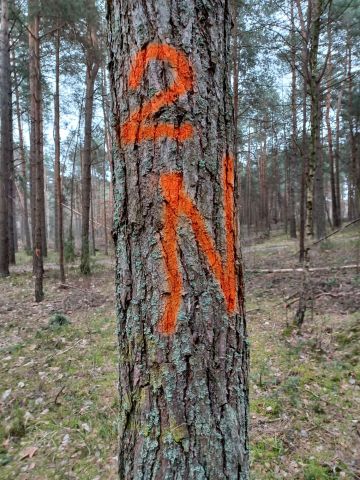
[
  {"x": 179, "y": 203},
  {"x": 137, "y": 128}
]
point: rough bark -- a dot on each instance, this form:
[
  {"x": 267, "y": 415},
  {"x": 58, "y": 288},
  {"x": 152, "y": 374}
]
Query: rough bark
[
  {"x": 183, "y": 377},
  {"x": 4, "y": 138}
]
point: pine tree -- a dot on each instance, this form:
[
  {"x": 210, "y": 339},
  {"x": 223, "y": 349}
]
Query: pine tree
[
  {"x": 183, "y": 348},
  {"x": 5, "y": 143}
]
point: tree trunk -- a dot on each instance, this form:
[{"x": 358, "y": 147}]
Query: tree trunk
[
  {"x": 25, "y": 219},
  {"x": 337, "y": 156},
  {"x": 183, "y": 348},
  {"x": 248, "y": 206},
  {"x": 5, "y": 144},
  {"x": 304, "y": 153},
  {"x": 72, "y": 186},
  {"x": 91, "y": 73},
  {"x": 314, "y": 89},
  {"x": 293, "y": 156},
  {"x": 36, "y": 157},
  {"x": 93, "y": 241},
  {"x": 354, "y": 193},
  {"x": 108, "y": 156},
  {"x": 105, "y": 207},
  {"x": 11, "y": 187},
  {"x": 108, "y": 139},
  {"x": 59, "y": 230},
  {"x": 334, "y": 197},
  {"x": 43, "y": 176},
  {"x": 319, "y": 187}
]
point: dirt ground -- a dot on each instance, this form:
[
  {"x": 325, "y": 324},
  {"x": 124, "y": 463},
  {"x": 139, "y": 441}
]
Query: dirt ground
[{"x": 58, "y": 381}]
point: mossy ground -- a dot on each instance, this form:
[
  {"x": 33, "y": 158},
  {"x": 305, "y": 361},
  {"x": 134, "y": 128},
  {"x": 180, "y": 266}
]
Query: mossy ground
[
  {"x": 305, "y": 394},
  {"x": 58, "y": 384}
]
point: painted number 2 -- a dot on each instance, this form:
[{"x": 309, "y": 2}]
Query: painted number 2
[
  {"x": 177, "y": 202},
  {"x": 137, "y": 128}
]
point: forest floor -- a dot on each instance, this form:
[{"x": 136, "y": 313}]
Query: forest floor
[{"x": 58, "y": 384}]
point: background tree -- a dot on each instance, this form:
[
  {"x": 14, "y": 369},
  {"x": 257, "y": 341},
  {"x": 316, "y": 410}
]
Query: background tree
[
  {"x": 92, "y": 55},
  {"x": 36, "y": 153},
  {"x": 5, "y": 145}
]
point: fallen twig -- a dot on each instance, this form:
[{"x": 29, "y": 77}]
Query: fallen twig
[
  {"x": 66, "y": 350},
  {"x": 336, "y": 231},
  {"x": 291, "y": 270},
  {"x": 58, "y": 395}
]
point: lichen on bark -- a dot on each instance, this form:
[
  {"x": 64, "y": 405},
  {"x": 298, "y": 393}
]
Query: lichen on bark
[{"x": 184, "y": 397}]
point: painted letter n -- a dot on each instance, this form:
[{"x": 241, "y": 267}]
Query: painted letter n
[{"x": 177, "y": 203}]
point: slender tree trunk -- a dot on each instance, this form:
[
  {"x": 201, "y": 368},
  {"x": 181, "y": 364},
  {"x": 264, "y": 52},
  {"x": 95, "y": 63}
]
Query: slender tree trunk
[
  {"x": 334, "y": 197},
  {"x": 59, "y": 230},
  {"x": 293, "y": 156},
  {"x": 108, "y": 157},
  {"x": 248, "y": 205},
  {"x": 235, "y": 55},
  {"x": 305, "y": 32},
  {"x": 93, "y": 240},
  {"x": 303, "y": 178},
  {"x": 337, "y": 157},
  {"x": 108, "y": 139},
  {"x": 183, "y": 349},
  {"x": 319, "y": 209},
  {"x": 314, "y": 90},
  {"x": 91, "y": 73},
  {"x": 72, "y": 186},
  {"x": 11, "y": 188},
  {"x": 263, "y": 182},
  {"x": 43, "y": 176},
  {"x": 286, "y": 193},
  {"x": 35, "y": 149},
  {"x": 105, "y": 208},
  {"x": 24, "y": 186},
  {"x": 354, "y": 193},
  {"x": 5, "y": 145}
]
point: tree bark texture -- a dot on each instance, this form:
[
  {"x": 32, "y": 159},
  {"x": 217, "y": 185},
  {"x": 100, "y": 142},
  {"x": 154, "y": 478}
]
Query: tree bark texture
[
  {"x": 181, "y": 324},
  {"x": 5, "y": 144}
]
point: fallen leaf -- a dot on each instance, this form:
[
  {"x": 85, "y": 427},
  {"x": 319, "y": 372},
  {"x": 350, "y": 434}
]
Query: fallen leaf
[{"x": 29, "y": 452}]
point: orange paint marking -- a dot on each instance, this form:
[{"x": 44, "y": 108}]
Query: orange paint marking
[
  {"x": 179, "y": 203},
  {"x": 135, "y": 129}
]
